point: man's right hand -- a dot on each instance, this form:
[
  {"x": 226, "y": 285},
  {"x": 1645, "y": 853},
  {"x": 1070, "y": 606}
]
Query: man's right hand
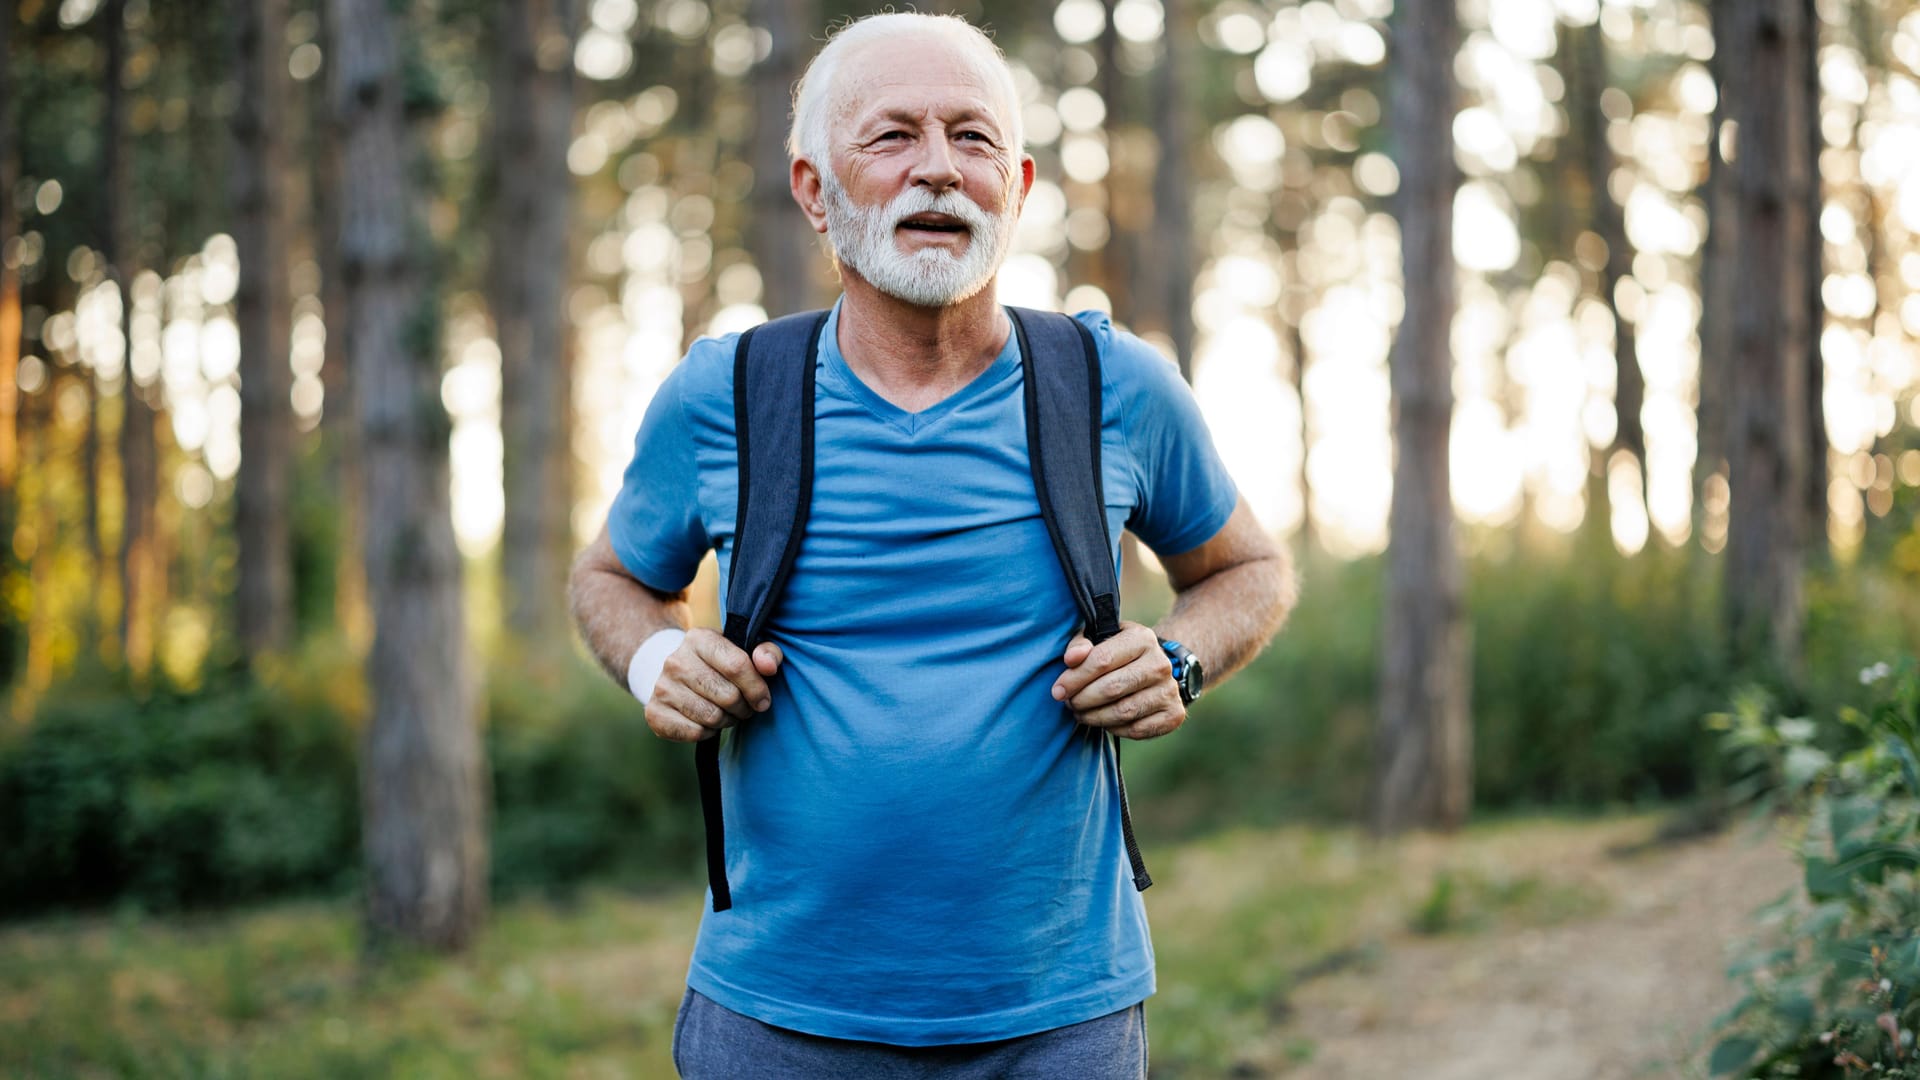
[{"x": 708, "y": 684}]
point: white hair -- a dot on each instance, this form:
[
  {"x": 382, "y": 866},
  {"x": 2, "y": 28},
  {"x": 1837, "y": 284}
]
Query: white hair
[{"x": 815, "y": 103}]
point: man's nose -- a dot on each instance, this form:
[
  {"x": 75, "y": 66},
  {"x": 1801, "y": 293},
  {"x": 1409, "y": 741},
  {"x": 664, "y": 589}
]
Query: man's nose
[{"x": 935, "y": 167}]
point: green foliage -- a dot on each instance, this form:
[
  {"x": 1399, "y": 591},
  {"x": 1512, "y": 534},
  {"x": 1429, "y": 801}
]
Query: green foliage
[
  {"x": 581, "y": 787},
  {"x": 1589, "y": 679},
  {"x": 1590, "y": 674},
  {"x": 242, "y": 790},
  {"x": 247, "y": 788},
  {"x": 1436, "y": 913},
  {"x": 1832, "y": 985},
  {"x": 1469, "y": 900}
]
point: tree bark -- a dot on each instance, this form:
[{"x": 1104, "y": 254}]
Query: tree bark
[
  {"x": 1716, "y": 272},
  {"x": 422, "y": 774},
  {"x": 1297, "y": 345},
  {"x": 1172, "y": 264},
  {"x": 139, "y": 467},
  {"x": 262, "y": 308},
  {"x": 1115, "y": 260},
  {"x": 1423, "y": 751},
  {"x": 703, "y": 141},
  {"x": 10, "y": 316},
  {"x": 783, "y": 246},
  {"x": 12, "y": 634},
  {"x": 530, "y": 271},
  {"x": 1816, "y": 369},
  {"x": 1767, "y": 437},
  {"x": 339, "y": 440},
  {"x": 1588, "y": 69}
]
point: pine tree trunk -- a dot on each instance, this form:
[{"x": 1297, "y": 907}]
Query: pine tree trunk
[
  {"x": 1589, "y": 71},
  {"x": 138, "y": 465},
  {"x": 1172, "y": 263},
  {"x": 1767, "y": 437},
  {"x": 1423, "y": 752},
  {"x": 1817, "y": 444},
  {"x": 422, "y": 774},
  {"x": 1116, "y": 259},
  {"x": 339, "y": 439},
  {"x": 12, "y": 634},
  {"x": 102, "y": 627},
  {"x": 40, "y": 455},
  {"x": 784, "y": 250},
  {"x": 262, "y": 308},
  {"x": 1297, "y": 345},
  {"x": 703, "y": 144},
  {"x": 530, "y": 271},
  {"x": 1716, "y": 272},
  {"x": 10, "y": 315}
]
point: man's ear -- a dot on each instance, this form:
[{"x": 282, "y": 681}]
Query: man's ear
[
  {"x": 805, "y": 182},
  {"x": 1026, "y": 176}
]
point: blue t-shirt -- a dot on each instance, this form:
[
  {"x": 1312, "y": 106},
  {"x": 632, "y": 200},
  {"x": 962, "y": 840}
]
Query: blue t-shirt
[{"x": 923, "y": 846}]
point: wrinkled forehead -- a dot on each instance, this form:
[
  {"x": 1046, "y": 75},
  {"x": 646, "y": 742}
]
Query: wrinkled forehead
[{"x": 919, "y": 72}]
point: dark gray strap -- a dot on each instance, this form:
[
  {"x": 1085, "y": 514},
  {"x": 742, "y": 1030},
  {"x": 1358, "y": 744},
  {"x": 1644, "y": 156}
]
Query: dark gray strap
[
  {"x": 773, "y": 434},
  {"x": 773, "y": 430},
  {"x": 1063, "y": 448}
]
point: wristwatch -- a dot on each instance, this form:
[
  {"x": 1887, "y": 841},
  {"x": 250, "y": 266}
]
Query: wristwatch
[{"x": 1187, "y": 671}]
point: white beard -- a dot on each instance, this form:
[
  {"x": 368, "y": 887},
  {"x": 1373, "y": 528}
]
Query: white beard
[{"x": 863, "y": 240}]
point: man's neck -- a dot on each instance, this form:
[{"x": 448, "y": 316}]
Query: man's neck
[{"x": 915, "y": 357}]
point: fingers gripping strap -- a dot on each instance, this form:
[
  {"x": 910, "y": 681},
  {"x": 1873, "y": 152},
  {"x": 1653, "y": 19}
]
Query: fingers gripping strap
[
  {"x": 773, "y": 435},
  {"x": 1063, "y": 449}
]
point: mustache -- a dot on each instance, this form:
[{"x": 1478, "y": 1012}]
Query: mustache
[{"x": 951, "y": 203}]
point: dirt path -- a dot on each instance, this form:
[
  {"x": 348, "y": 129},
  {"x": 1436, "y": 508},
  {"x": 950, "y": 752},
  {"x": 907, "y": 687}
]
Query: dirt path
[{"x": 1625, "y": 990}]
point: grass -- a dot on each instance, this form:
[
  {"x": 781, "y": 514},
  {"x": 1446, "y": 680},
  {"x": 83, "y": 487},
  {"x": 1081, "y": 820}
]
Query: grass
[{"x": 589, "y": 988}]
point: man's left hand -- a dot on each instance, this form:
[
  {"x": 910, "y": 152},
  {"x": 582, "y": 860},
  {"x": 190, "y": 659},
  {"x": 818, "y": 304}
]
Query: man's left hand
[{"x": 1124, "y": 684}]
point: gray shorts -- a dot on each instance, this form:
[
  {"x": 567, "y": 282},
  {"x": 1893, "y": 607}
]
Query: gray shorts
[{"x": 712, "y": 1042}]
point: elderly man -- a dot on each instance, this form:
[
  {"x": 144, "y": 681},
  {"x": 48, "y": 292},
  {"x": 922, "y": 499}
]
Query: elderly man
[{"x": 924, "y": 844}]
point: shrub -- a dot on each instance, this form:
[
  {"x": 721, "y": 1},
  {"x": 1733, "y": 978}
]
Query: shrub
[
  {"x": 247, "y": 788},
  {"x": 238, "y": 791},
  {"x": 1831, "y": 986},
  {"x": 581, "y": 787},
  {"x": 1589, "y": 679},
  {"x": 1590, "y": 674}
]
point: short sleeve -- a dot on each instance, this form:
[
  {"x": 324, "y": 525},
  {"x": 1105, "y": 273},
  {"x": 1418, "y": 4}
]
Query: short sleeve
[
  {"x": 655, "y": 521},
  {"x": 1185, "y": 494}
]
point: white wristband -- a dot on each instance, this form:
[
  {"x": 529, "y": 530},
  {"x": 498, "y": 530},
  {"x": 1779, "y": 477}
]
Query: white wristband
[{"x": 644, "y": 669}]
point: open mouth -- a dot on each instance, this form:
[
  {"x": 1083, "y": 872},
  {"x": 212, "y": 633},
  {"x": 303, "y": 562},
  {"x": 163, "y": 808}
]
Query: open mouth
[{"x": 934, "y": 223}]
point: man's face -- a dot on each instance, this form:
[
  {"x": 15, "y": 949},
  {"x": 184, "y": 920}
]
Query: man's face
[{"x": 923, "y": 188}]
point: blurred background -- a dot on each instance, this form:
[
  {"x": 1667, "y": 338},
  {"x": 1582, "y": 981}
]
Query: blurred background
[{"x": 326, "y": 326}]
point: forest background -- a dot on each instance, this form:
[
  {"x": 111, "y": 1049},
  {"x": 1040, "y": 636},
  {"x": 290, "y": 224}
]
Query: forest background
[{"x": 325, "y": 329}]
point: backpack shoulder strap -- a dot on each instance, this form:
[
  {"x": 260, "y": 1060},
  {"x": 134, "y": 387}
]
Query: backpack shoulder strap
[
  {"x": 1063, "y": 449},
  {"x": 773, "y": 432},
  {"x": 773, "y": 437}
]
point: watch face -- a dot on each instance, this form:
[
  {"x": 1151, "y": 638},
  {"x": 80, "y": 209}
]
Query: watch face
[{"x": 1192, "y": 680}]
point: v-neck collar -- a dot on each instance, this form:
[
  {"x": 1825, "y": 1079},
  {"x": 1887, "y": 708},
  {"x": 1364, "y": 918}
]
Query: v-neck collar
[{"x": 911, "y": 423}]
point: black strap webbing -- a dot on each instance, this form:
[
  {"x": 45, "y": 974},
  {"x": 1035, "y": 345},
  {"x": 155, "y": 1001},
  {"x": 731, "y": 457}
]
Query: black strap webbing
[
  {"x": 773, "y": 427},
  {"x": 1063, "y": 449}
]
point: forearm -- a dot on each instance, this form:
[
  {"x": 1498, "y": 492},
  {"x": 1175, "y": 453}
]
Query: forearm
[
  {"x": 1229, "y": 616},
  {"x": 615, "y": 613}
]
